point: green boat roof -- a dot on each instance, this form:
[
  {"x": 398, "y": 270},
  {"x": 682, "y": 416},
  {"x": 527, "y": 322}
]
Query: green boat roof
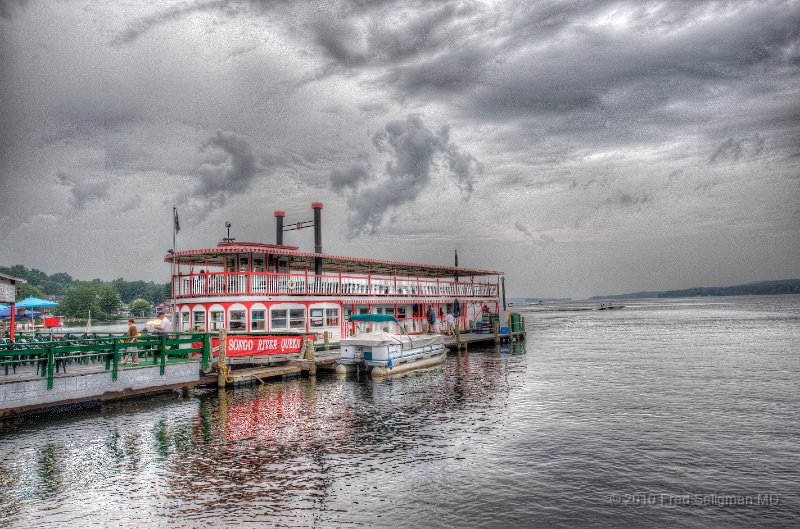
[{"x": 373, "y": 317}]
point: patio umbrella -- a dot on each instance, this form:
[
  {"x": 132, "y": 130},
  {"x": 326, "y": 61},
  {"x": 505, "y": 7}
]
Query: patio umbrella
[
  {"x": 36, "y": 303},
  {"x": 6, "y": 313}
]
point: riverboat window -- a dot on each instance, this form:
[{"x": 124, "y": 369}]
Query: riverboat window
[
  {"x": 297, "y": 318},
  {"x": 278, "y": 319},
  {"x": 401, "y": 313},
  {"x": 230, "y": 264},
  {"x": 238, "y": 320},
  {"x": 390, "y": 310},
  {"x": 316, "y": 318},
  {"x": 333, "y": 317},
  {"x": 363, "y": 310},
  {"x": 244, "y": 264},
  {"x": 257, "y": 320},
  {"x": 258, "y": 264},
  {"x": 199, "y": 321},
  {"x": 217, "y": 319},
  {"x": 186, "y": 321}
]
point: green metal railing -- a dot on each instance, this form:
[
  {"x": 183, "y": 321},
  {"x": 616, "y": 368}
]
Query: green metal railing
[{"x": 49, "y": 355}]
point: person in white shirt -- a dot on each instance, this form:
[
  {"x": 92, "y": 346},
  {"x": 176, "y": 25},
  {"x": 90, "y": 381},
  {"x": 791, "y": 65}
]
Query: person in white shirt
[
  {"x": 450, "y": 322},
  {"x": 165, "y": 326}
]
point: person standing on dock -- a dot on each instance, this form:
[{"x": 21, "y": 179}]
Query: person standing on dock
[
  {"x": 165, "y": 325},
  {"x": 431, "y": 320},
  {"x": 450, "y": 322},
  {"x": 132, "y": 353}
]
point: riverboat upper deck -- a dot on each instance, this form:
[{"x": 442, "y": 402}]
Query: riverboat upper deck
[{"x": 255, "y": 269}]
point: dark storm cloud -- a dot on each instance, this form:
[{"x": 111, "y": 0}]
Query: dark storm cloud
[
  {"x": 733, "y": 150},
  {"x": 142, "y": 25},
  {"x": 352, "y": 178},
  {"x": 83, "y": 192},
  {"x": 8, "y": 8},
  {"x": 374, "y": 35},
  {"x": 412, "y": 149},
  {"x": 229, "y": 168}
]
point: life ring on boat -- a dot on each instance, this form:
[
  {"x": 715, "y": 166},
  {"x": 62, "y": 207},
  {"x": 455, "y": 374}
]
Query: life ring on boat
[{"x": 290, "y": 284}]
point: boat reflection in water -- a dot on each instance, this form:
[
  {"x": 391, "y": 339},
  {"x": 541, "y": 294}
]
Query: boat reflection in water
[{"x": 298, "y": 452}]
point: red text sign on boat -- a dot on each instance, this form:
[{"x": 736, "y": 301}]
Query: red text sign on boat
[{"x": 261, "y": 345}]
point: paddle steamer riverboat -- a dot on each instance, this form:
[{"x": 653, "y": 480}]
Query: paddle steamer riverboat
[{"x": 250, "y": 287}]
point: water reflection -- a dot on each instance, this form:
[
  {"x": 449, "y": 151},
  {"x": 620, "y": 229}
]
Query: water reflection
[{"x": 299, "y": 449}]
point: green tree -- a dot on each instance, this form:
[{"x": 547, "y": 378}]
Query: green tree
[
  {"x": 108, "y": 301},
  {"x": 140, "y": 307},
  {"x": 24, "y": 290},
  {"x": 78, "y": 301}
]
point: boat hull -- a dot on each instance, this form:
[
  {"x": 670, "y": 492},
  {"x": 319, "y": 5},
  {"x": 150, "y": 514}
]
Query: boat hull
[{"x": 429, "y": 361}]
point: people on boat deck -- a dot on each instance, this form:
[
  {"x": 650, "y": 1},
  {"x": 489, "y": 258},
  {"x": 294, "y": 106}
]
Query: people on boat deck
[
  {"x": 450, "y": 324},
  {"x": 132, "y": 353},
  {"x": 165, "y": 325},
  {"x": 431, "y": 320}
]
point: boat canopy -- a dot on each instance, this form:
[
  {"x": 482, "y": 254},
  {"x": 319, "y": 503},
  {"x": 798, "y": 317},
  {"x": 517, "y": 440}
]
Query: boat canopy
[
  {"x": 373, "y": 318},
  {"x": 406, "y": 342}
]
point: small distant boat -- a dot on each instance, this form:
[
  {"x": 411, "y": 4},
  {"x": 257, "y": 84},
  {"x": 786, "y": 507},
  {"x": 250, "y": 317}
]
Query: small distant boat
[
  {"x": 603, "y": 306},
  {"x": 383, "y": 354}
]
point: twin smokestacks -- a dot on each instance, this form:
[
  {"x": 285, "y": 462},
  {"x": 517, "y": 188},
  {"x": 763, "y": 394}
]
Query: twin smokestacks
[{"x": 317, "y": 223}]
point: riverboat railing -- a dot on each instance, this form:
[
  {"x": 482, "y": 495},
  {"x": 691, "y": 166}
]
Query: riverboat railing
[{"x": 303, "y": 284}]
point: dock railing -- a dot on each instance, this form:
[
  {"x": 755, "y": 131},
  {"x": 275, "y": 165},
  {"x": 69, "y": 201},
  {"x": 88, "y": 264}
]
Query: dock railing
[{"x": 50, "y": 355}]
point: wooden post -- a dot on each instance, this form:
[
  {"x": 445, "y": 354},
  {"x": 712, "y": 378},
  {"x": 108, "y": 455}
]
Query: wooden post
[
  {"x": 497, "y": 332},
  {"x": 163, "y": 344},
  {"x": 458, "y": 336},
  {"x": 327, "y": 341},
  {"x": 222, "y": 362},
  {"x": 114, "y": 360},
  {"x": 312, "y": 364},
  {"x": 51, "y": 360}
]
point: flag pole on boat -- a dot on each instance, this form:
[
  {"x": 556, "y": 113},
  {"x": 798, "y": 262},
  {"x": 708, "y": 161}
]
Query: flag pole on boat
[{"x": 176, "y": 227}]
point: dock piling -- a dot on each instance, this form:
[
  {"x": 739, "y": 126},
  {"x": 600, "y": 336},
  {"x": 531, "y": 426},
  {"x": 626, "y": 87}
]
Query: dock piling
[
  {"x": 222, "y": 363},
  {"x": 312, "y": 364}
]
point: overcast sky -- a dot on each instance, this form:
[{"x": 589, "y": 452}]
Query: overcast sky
[{"x": 580, "y": 147}]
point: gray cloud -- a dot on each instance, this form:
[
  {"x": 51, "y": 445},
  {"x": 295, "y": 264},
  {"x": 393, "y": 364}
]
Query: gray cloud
[
  {"x": 229, "y": 168},
  {"x": 543, "y": 241},
  {"x": 734, "y": 150},
  {"x": 630, "y": 123},
  {"x": 142, "y": 25},
  {"x": 83, "y": 192},
  {"x": 9, "y": 7},
  {"x": 625, "y": 199},
  {"x": 412, "y": 149},
  {"x": 352, "y": 178}
]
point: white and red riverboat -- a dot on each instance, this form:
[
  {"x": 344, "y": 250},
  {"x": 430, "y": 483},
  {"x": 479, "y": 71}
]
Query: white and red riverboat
[{"x": 257, "y": 288}]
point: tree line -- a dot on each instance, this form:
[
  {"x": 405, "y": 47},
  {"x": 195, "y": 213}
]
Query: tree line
[
  {"x": 76, "y": 298},
  {"x": 760, "y": 288}
]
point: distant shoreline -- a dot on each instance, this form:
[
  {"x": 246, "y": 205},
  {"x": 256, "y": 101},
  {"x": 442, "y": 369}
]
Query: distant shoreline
[{"x": 760, "y": 288}]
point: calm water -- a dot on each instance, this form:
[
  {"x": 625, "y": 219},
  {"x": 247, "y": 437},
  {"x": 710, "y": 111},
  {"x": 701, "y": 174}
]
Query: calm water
[{"x": 661, "y": 413}]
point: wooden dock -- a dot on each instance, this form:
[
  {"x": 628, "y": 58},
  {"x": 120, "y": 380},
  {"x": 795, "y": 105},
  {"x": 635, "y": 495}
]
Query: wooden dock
[
  {"x": 54, "y": 374},
  {"x": 250, "y": 375}
]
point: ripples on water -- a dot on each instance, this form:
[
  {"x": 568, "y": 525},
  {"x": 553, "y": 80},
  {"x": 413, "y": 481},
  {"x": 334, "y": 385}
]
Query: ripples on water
[{"x": 683, "y": 397}]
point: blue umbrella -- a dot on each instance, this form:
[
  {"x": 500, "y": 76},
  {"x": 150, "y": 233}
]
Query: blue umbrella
[
  {"x": 35, "y": 303},
  {"x": 6, "y": 313}
]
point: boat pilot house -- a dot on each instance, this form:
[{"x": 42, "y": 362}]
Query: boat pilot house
[{"x": 255, "y": 287}]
